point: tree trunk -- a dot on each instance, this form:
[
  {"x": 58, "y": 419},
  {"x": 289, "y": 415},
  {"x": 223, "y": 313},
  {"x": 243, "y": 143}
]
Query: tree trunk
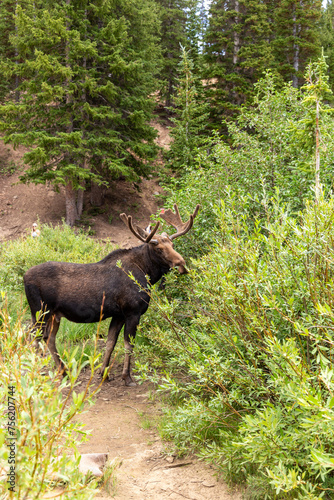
[
  {"x": 236, "y": 48},
  {"x": 96, "y": 195},
  {"x": 71, "y": 204},
  {"x": 295, "y": 31},
  {"x": 80, "y": 200},
  {"x": 236, "y": 38},
  {"x": 168, "y": 101},
  {"x": 317, "y": 154}
]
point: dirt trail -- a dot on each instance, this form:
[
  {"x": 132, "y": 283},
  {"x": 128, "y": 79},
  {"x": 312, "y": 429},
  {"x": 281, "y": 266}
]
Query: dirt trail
[{"x": 123, "y": 425}]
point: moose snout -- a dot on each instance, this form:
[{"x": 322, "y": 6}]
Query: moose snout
[
  {"x": 181, "y": 265},
  {"x": 182, "y": 270}
]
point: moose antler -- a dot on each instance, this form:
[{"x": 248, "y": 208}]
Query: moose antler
[
  {"x": 175, "y": 220},
  {"x": 141, "y": 234}
]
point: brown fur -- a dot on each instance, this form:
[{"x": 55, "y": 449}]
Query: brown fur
[{"x": 84, "y": 293}]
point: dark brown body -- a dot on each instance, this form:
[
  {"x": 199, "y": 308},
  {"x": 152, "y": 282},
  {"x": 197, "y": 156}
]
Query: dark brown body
[{"x": 82, "y": 292}]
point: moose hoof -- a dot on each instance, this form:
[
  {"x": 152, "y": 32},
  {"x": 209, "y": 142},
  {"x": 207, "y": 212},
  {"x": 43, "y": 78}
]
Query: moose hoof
[
  {"x": 129, "y": 382},
  {"x": 108, "y": 378},
  {"x": 62, "y": 372}
]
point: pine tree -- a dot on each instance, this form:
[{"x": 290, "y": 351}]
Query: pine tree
[
  {"x": 87, "y": 70},
  {"x": 7, "y": 50},
  {"x": 247, "y": 37},
  {"x": 193, "y": 31},
  {"x": 236, "y": 52},
  {"x": 191, "y": 118},
  {"x": 327, "y": 38},
  {"x": 173, "y": 35},
  {"x": 203, "y": 15},
  {"x": 297, "y": 40}
]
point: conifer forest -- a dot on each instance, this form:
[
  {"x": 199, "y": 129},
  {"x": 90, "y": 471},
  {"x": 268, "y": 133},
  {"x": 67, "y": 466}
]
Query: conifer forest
[{"x": 241, "y": 349}]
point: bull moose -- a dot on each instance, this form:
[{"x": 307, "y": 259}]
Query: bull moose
[{"x": 115, "y": 287}]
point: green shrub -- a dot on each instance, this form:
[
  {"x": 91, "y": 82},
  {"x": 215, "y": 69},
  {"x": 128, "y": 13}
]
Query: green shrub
[
  {"x": 270, "y": 148},
  {"x": 40, "y": 425},
  {"x": 246, "y": 351}
]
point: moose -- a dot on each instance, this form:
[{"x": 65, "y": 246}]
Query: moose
[{"x": 115, "y": 287}]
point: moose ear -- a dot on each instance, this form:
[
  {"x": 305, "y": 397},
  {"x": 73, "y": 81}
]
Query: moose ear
[
  {"x": 154, "y": 242},
  {"x": 142, "y": 232}
]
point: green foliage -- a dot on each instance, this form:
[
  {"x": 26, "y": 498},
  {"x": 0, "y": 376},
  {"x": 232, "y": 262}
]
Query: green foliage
[
  {"x": 316, "y": 92},
  {"x": 194, "y": 34},
  {"x": 85, "y": 75},
  {"x": 314, "y": 129},
  {"x": 57, "y": 244},
  {"x": 327, "y": 38},
  {"x": 263, "y": 156},
  {"x": 296, "y": 38},
  {"x": 276, "y": 136},
  {"x": 243, "y": 346},
  {"x": 44, "y": 423},
  {"x": 236, "y": 53},
  {"x": 246, "y": 352},
  {"x": 245, "y": 38},
  {"x": 197, "y": 185},
  {"x": 266, "y": 153},
  {"x": 173, "y": 33},
  {"x": 7, "y": 11}
]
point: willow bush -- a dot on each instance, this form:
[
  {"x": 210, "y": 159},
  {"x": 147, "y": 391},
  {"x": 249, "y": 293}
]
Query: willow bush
[
  {"x": 245, "y": 352},
  {"x": 270, "y": 146},
  {"x": 40, "y": 434}
]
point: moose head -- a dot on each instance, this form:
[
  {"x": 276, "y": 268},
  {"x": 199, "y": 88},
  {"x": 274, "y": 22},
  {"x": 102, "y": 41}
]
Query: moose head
[{"x": 163, "y": 243}]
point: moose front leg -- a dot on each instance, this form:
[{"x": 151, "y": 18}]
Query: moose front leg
[
  {"x": 130, "y": 330},
  {"x": 114, "y": 329}
]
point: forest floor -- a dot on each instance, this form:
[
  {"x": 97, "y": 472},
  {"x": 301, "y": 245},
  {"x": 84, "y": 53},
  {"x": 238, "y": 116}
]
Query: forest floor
[{"x": 123, "y": 420}]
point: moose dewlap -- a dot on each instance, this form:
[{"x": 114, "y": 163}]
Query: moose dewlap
[{"x": 79, "y": 292}]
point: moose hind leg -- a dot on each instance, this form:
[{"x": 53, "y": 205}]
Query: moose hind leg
[
  {"x": 50, "y": 333},
  {"x": 114, "y": 329},
  {"x": 130, "y": 330}
]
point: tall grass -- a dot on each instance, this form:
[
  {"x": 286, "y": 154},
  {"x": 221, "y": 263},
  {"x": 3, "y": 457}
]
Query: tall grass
[
  {"x": 47, "y": 434},
  {"x": 56, "y": 244}
]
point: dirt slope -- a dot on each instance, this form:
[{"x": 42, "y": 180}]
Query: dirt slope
[{"x": 23, "y": 204}]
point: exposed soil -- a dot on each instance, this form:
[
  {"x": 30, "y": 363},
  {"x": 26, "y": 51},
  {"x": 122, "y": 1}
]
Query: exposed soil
[
  {"x": 23, "y": 204},
  {"x": 122, "y": 419},
  {"x": 123, "y": 423}
]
